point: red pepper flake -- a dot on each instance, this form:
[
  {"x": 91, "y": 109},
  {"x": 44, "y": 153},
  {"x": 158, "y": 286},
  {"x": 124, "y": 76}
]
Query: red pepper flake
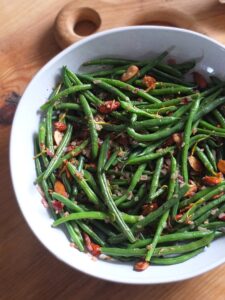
[
  {"x": 184, "y": 100},
  {"x": 186, "y": 208},
  {"x": 222, "y": 217},
  {"x": 70, "y": 148},
  {"x": 141, "y": 266},
  {"x": 200, "y": 80},
  {"x": 49, "y": 153},
  {"x": 109, "y": 106},
  {"x": 217, "y": 196},
  {"x": 58, "y": 206},
  {"x": 178, "y": 217},
  {"x": 93, "y": 248},
  {"x": 60, "y": 126},
  {"x": 148, "y": 208}
]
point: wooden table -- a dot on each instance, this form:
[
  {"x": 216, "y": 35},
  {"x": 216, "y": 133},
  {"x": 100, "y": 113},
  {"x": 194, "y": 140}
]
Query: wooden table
[{"x": 28, "y": 271}]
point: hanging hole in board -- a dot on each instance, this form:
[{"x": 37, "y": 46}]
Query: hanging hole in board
[{"x": 87, "y": 22}]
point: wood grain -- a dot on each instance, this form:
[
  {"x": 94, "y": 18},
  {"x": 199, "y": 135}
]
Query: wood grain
[
  {"x": 205, "y": 16},
  {"x": 28, "y": 271}
]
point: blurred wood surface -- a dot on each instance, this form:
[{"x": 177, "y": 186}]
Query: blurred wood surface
[{"x": 27, "y": 270}]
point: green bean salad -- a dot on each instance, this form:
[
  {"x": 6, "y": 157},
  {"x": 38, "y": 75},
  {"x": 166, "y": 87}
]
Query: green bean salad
[{"x": 130, "y": 159}]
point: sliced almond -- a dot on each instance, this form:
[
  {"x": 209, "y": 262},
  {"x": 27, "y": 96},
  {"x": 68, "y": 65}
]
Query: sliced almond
[
  {"x": 60, "y": 189},
  {"x": 195, "y": 164},
  {"x": 58, "y": 136},
  {"x": 130, "y": 72}
]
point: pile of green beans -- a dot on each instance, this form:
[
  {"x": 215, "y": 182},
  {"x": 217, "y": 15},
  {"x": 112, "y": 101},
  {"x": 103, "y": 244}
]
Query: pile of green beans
[{"x": 132, "y": 170}]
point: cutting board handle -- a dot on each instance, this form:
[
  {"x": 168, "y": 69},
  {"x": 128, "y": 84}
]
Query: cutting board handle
[{"x": 83, "y": 17}]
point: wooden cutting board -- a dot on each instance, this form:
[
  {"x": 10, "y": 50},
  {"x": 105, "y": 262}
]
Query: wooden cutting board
[{"x": 27, "y": 42}]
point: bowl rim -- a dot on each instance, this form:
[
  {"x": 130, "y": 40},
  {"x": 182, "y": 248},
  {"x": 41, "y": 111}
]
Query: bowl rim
[{"x": 12, "y": 155}]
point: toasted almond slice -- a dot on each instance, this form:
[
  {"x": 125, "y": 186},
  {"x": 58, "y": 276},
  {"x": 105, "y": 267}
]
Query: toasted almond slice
[
  {"x": 195, "y": 164},
  {"x": 141, "y": 266},
  {"x": 130, "y": 72},
  {"x": 60, "y": 189},
  {"x": 58, "y": 136}
]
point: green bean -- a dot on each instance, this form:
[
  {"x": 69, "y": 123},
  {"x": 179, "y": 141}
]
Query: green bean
[
  {"x": 130, "y": 108},
  {"x": 83, "y": 184},
  {"x": 151, "y": 156},
  {"x": 107, "y": 87},
  {"x": 219, "y": 117},
  {"x": 108, "y": 61},
  {"x": 91, "y": 181},
  {"x": 201, "y": 219},
  {"x": 147, "y": 124},
  {"x": 167, "y": 77},
  {"x": 173, "y": 90},
  {"x": 91, "y": 126},
  {"x": 204, "y": 194},
  {"x": 114, "y": 128},
  {"x": 67, "y": 202},
  {"x": 125, "y": 86},
  {"x": 172, "y": 237},
  {"x": 66, "y": 183},
  {"x": 176, "y": 260},
  {"x": 73, "y": 153},
  {"x": 208, "y": 126},
  {"x": 203, "y": 158},
  {"x": 111, "y": 160},
  {"x": 207, "y": 207},
  {"x": 42, "y": 134},
  {"x": 74, "y": 237},
  {"x": 151, "y": 64},
  {"x": 36, "y": 158},
  {"x": 91, "y": 233},
  {"x": 155, "y": 178},
  {"x": 186, "y": 139},
  {"x": 64, "y": 93},
  {"x": 71, "y": 106},
  {"x": 159, "y": 192},
  {"x": 151, "y": 247},
  {"x": 208, "y": 107},
  {"x": 173, "y": 177},
  {"x": 135, "y": 201},
  {"x": 96, "y": 215},
  {"x": 135, "y": 179},
  {"x": 169, "y": 69},
  {"x": 197, "y": 138},
  {"x": 210, "y": 157},
  {"x": 107, "y": 194},
  {"x": 49, "y": 136},
  {"x": 177, "y": 249},
  {"x": 185, "y": 66},
  {"x": 59, "y": 152},
  {"x": 214, "y": 225}
]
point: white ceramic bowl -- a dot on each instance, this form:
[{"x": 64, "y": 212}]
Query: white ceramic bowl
[{"x": 130, "y": 42}]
